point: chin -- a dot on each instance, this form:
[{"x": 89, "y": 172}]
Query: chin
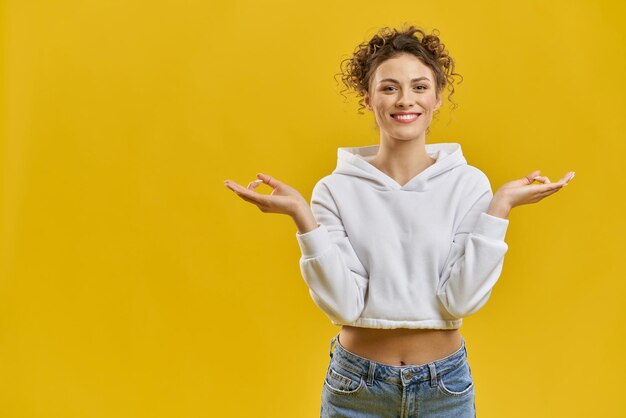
[{"x": 405, "y": 135}]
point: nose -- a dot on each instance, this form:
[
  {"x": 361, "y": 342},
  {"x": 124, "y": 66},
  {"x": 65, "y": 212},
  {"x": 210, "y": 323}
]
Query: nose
[{"x": 404, "y": 99}]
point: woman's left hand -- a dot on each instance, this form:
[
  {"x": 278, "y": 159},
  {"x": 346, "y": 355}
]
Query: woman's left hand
[{"x": 523, "y": 191}]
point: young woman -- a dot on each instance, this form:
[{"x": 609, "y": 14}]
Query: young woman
[{"x": 401, "y": 241}]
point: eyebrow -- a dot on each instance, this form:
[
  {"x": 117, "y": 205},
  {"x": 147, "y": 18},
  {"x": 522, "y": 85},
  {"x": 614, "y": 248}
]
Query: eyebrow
[{"x": 396, "y": 81}]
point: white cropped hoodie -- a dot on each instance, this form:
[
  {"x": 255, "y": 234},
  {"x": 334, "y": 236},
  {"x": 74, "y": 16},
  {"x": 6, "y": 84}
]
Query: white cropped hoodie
[{"x": 420, "y": 255}]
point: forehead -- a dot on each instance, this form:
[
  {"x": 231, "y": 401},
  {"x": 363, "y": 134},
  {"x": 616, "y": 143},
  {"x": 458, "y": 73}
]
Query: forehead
[{"x": 402, "y": 67}]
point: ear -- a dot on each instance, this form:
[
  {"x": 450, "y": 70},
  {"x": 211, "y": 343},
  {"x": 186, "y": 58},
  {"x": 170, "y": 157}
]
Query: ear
[
  {"x": 439, "y": 103},
  {"x": 368, "y": 103}
]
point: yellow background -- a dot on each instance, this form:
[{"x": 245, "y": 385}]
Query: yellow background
[{"x": 134, "y": 284}]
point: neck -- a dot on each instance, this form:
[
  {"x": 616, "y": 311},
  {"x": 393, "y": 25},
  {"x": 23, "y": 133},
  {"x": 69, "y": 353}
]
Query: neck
[{"x": 402, "y": 160}]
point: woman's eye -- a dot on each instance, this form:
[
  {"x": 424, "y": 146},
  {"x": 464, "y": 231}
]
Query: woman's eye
[{"x": 391, "y": 87}]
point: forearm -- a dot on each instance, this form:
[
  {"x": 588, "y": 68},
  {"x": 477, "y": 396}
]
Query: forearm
[
  {"x": 475, "y": 262},
  {"x": 330, "y": 267},
  {"x": 304, "y": 219},
  {"x": 499, "y": 207}
]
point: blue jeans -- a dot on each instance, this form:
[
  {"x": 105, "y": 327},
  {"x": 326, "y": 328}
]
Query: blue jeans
[{"x": 356, "y": 387}]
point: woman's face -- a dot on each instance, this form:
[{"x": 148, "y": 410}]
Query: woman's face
[{"x": 402, "y": 84}]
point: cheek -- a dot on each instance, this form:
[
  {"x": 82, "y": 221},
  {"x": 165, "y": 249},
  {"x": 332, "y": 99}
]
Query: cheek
[
  {"x": 380, "y": 113},
  {"x": 432, "y": 101},
  {"x": 382, "y": 108}
]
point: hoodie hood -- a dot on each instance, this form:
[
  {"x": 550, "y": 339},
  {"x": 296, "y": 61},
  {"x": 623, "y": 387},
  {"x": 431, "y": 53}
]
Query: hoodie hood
[{"x": 354, "y": 161}]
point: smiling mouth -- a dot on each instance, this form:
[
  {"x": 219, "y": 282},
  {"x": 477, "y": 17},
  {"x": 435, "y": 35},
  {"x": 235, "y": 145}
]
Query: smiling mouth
[{"x": 405, "y": 117}]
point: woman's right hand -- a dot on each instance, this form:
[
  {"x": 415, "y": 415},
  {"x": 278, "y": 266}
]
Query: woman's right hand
[{"x": 283, "y": 199}]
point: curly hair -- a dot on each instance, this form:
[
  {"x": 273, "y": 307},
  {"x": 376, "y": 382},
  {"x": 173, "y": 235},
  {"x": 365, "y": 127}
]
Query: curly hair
[{"x": 356, "y": 71}]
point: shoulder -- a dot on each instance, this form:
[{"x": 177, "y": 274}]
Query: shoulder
[
  {"x": 473, "y": 179},
  {"x": 477, "y": 175},
  {"x": 326, "y": 184},
  {"x": 321, "y": 185},
  {"x": 322, "y": 191}
]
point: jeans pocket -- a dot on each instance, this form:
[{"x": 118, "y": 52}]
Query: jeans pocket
[
  {"x": 458, "y": 381},
  {"x": 341, "y": 381}
]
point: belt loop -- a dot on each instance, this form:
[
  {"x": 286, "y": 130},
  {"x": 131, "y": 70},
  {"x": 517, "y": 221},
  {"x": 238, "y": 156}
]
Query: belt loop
[
  {"x": 330, "y": 353},
  {"x": 433, "y": 374},
  {"x": 370, "y": 373}
]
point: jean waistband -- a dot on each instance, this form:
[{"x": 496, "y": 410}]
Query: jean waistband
[{"x": 400, "y": 375}]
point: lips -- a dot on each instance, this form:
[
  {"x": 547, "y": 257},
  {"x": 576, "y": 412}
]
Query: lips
[{"x": 405, "y": 117}]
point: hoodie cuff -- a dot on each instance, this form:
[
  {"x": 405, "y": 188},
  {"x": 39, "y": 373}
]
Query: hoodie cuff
[
  {"x": 491, "y": 226},
  {"x": 314, "y": 242}
]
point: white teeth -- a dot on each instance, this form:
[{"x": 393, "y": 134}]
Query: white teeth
[{"x": 405, "y": 117}]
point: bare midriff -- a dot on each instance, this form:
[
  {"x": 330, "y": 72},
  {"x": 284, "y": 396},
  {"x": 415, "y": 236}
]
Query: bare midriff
[{"x": 400, "y": 346}]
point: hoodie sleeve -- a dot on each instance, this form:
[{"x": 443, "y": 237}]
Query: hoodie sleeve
[
  {"x": 476, "y": 257},
  {"x": 337, "y": 280}
]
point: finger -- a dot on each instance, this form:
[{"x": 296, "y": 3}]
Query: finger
[
  {"x": 269, "y": 180},
  {"x": 552, "y": 187},
  {"x": 240, "y": 190},
  {"x": 253, "y": 184},
  {"x": 538, "y": 188},
  {"x": 229, "y": 184},
  {"x": 542, "y": 179},
  {"x": 235, "y": 187},
  {"x": 544, "y": 188},
  {"x": 249, "y": 196},
  {"x": 257, "y": 198},
  {"x": 567, "y": 177},
  {"x": 531, "y": 177},
  {"x": 247, "y": 199},
  {"x": 548, "y": 193}
]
